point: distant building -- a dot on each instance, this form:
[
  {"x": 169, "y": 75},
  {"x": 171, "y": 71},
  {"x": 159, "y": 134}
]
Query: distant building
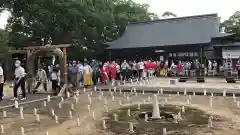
[{"x": 183, "y": 38}]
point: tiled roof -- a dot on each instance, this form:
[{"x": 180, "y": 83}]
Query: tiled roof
[{"x": 175, "y": 31}]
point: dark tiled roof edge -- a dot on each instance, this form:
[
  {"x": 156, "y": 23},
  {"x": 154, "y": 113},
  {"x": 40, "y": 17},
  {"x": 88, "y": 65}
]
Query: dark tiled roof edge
[{"x": 214, "y": 15}]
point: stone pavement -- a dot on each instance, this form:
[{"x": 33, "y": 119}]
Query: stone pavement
[{"x": 212, "y": 85}]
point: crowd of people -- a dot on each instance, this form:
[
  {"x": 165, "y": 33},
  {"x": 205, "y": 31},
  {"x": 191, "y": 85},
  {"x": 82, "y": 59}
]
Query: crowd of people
[{"x": 90, "y": 73}]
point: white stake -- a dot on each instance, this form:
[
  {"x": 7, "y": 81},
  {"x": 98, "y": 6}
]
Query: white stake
[
  {"x": 95, "y": 88},
  {"x": 100, "y": 97},
  {"x": 190, "y": 97},
  {"x": 56, "y": 119},
  {"x": 131, "y": 127},
  {"x": 46, "y": 133},
  {"x": 166, "y": 100},
  {"x": 188, "y": 102},
  {"x": 21, "y": 113},
  {"x": 37, "y": 118},
  {"x": 62, "y": 99},
  {"x": 78, "y": 93},
  {"x": 164, "y": 131},
  {"x": 183, "y": 109},
  {"x": 115, "y": 117},
  {"x": 106, "y": 108},
  {"x": 60, "y": 105},
  {"x": 185, "y": 92},
  {"x": 149, "y": 99},
  {"x": 129, "y": 112},
  {"x": 70, "y": 114},
  {"x": 68, "y": 94},
  {"x": 16, "y": 104},
  {"x": 210, "y": 125},
  {"x": 53, "y": 112},
  {"x": 48, "y": 98},
  {"x": 161, "y": 91},
  {"x": 128, "y": 99},
  {"x": 22, "y": 131},
  {"x": 104, "y": 124},
  {"x": 211, "y": 94},
  {"x": 234, "y": 97},
  {"x": 120, "y": 102},
  {"x": 144, "y": 101},
  {"x": 2, "y": 129},
  {"x": 4, "y": 114},
  {"x": 35, "y": 111},
  {"x": 205, "y": 92},
  {"x": 44, "y": 103},
  {"x": 72, "y": 107},
  {"x": 179, "y": 114},
  {"x": 84, "y": 90},
  {"x": 114, "y": 89},
  {"x": 76, "y": 99},
  {"x": 90, "y": 100},
  {"x": 93, "y": 116},
  {"x": 224, "y": 93},
  {"x": 113, "y": 98},
  {"x": 89, "y": 108},
  {"x": 105, "y": 101},
  {"x": 194, "y": 94},
  {"x": 78, "y": 122},
  {"x": 139, "y": 106},
  {"x": 210, "y": 102},
  {"x": 146, "y": 117},
  {"x": 143, "y": 92},
  {"x": 134, "y": 90},
  {"x": 178, "y": 94}
]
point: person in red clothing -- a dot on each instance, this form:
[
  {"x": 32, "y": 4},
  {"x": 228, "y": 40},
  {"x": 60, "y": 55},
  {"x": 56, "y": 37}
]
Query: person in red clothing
[
  {"x": 180, "y": 67},
  {"x": 113, "y": 72},
  {"x": 104, "y": 73},
  {"x": 150, "y": 68}
]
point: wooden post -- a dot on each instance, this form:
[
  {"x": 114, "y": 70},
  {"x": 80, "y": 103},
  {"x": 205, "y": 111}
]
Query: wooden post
[{"x": 65, "y": 69}]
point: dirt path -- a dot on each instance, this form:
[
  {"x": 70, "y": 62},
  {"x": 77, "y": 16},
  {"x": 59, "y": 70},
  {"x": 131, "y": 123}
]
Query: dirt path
[{"x": 224, "y": 107}]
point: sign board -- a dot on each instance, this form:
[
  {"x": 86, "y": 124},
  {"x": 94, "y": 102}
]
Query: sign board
[{"x": 233, "y": 52}]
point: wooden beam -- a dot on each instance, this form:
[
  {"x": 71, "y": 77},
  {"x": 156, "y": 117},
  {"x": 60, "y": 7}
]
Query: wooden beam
[{"x": 48, "y": 46}]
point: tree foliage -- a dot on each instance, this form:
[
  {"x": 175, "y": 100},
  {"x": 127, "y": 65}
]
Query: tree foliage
[
  {"x": 86, "y": 23},
  {"x": 169, "y": 14},
  {"x": 3, "y": 43},
  {"x": 232, "y": 25}
]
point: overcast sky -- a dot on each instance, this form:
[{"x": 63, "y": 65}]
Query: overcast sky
[{"x": 224, "y": 8}]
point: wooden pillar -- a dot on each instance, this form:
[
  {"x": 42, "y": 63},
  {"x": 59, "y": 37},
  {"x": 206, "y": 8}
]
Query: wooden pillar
[
  {"x": 65, "y": 65},
  {"x": 65, "y": 70},
  {"x": 30, "y": 69}
]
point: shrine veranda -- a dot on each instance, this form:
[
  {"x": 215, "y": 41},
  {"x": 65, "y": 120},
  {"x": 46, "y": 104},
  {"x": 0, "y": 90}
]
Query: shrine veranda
[{"x": 84, "y": 113}]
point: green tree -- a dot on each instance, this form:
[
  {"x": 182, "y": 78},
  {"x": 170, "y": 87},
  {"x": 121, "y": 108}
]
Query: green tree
[
  {"x": 3, "y": 44},
  {"x": 232, "y": 25},
  {"x": 169, "y": 14},
  {"x": 85, "y": 23}
]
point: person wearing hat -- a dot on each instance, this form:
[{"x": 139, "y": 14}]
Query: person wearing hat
[
  {"x": 1, "y": 82},
  {"x": 19, "y": 81}
]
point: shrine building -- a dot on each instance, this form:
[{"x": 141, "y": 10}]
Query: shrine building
[{"x": 181, "y": 38}]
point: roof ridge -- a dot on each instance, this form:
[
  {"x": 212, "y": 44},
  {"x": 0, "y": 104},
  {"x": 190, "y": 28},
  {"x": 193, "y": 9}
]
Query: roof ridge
[{"x": 213, "y": 15}]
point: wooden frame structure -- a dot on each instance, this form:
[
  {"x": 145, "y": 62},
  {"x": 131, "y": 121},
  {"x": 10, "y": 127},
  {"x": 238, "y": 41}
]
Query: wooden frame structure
[{"x": 32, "y": 50}]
